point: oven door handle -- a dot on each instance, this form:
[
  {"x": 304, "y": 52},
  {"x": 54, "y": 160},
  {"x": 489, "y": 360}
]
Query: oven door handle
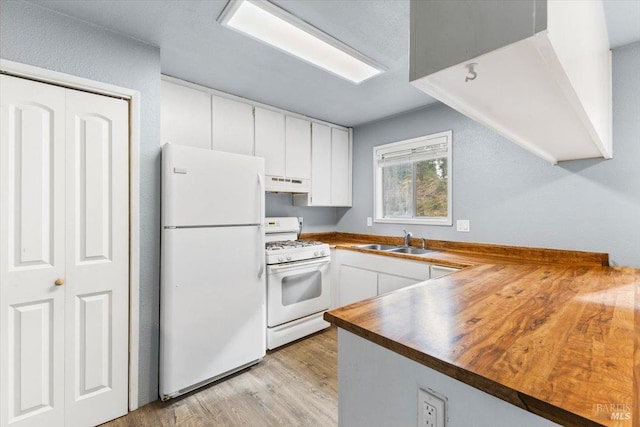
[{"x": 298, "y": 264}]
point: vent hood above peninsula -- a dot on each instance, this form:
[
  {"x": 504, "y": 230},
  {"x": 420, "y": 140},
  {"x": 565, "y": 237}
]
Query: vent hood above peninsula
[{"x": 537, "y": 72}]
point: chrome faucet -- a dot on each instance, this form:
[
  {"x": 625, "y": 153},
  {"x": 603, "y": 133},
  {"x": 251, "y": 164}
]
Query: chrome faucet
[{"x": 407, "y": 237}]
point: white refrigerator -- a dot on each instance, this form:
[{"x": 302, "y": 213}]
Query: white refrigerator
[{"x": 212, "y": 299}]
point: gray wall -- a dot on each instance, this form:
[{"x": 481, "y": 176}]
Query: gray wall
[
  {"x": 513, "y": 197},
  {"x": 374, "y": 397},
  {"x": 316, "y": 219},
  {"x": 36, "y": 36}
]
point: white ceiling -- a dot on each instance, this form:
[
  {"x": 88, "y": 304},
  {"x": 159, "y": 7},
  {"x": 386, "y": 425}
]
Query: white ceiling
[{"x": 195, "y": 47}]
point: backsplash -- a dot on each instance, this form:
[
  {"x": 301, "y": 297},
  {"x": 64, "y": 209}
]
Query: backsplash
[{"x": 316, "y": 219}]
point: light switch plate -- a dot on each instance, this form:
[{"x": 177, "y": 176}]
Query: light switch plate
[
  {"x": 369, "y": 221},
  {"x": 463, "y": 225}
]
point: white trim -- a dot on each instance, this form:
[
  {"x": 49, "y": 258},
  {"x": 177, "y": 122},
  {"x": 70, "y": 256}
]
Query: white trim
[
  {"x": 134, "y": 249},
  {"x": 74, "y": 82},
  {"x": 377, "y": 180},
  {"x": 221, "y": 94}
]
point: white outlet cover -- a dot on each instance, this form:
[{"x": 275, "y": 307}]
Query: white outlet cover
[
  {"x": 369, "y": 221},
  {"x": 463, "y": 225},
  {"x": 431, "y": 409}
]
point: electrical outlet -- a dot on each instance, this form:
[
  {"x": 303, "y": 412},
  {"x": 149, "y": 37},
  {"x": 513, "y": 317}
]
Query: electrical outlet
[
  {"x": 300, "y": 221},
  {"x": 431, "y": 409},
  {"x": 369, "y": 221},
  {"x": 463, "y": 225},
  {"x": 430, "y": 415}
]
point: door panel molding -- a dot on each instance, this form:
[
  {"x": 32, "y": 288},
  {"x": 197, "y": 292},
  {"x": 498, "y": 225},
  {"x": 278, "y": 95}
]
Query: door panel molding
[
  {"x": 93, "y": 373},
  {"x": 31, "y": 382},
  {"x": 32, "y": 214},
  {"x": 94, "y": 176}
]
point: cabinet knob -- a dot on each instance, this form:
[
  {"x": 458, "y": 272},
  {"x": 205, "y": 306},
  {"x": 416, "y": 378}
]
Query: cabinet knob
[{"x": 59, "y": 282}]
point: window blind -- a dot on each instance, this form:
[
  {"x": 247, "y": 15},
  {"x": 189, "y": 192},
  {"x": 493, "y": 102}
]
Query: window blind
[{"x": 415, "y": 154}]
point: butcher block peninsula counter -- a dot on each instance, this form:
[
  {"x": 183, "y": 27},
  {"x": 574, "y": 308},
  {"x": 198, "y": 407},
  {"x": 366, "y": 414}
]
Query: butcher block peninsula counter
[{"x": 560, "y": 341}]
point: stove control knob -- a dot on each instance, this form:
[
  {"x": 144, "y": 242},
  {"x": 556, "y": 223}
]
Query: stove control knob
[
  {"x": 280, "y": 259},
  {"x": 315, "y": 253},
  {"x": 322, "y": 252},
  {"x": 288, "y": 257}
]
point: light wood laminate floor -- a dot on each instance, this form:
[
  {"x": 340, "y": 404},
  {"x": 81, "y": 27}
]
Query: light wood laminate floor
[{"x": 295, "y": 385}]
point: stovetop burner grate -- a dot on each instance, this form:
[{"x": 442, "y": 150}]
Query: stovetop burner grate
[{"x": 289, "y": 244}]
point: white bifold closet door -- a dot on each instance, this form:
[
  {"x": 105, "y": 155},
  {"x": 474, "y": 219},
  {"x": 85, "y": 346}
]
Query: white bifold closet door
[{"x": 64, "y": 255}]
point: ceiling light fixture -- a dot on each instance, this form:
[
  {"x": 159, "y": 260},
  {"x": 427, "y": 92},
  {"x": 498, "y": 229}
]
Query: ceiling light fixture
[{"x": 269, "y": 24}]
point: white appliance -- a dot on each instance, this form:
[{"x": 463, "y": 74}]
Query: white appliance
[
  {"x": 212, "y": 307},
  {"x": 297, "y": 283}
]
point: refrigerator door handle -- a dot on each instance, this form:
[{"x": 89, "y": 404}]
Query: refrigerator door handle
[
  {"x": 261, "y": 254},
  {"x": 261, "y": 194}
]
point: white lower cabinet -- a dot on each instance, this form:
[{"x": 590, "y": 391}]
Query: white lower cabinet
[
  {"x": 391, "y": 282},
  {"x": 441, "y": 270},
  {"x": 356, "y": 284},
  {"x": 362, "y": 276}
]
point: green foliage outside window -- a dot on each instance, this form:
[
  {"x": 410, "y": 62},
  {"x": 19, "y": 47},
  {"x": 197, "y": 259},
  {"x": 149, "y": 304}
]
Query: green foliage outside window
[{"x": 416, "y": 189}]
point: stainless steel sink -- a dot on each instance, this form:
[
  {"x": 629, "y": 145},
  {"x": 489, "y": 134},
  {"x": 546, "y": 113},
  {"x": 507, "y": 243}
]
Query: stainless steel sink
[
  {"x": 378, "y": 247},
  {"x": 411, "y": 250},
  {"x": 397, "y": 249}
]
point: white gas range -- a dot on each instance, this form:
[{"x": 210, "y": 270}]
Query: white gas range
[{"x": 297, "y": 282}]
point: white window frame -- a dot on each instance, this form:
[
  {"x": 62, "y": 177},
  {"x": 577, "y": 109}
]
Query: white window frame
[{"x": 436, "y": 138}]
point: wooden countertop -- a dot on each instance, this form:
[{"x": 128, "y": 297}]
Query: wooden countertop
[
  {"x": 554, "y": 332},
  {"x": 463, "y": 254},
  {"x": 560, "y": 341}
]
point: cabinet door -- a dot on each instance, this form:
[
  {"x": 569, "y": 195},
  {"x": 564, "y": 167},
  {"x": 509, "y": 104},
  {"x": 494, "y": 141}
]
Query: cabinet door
[
  {"x": 356, "y": 284},
  {"x": 232, "y": 126},
  {"x": 185, "y": 116},
  {"x": 298, "y": 148},
  {"x": 390, "y": 282},
  {"x": 270, "y": 137},
  {"x": 320, "y": 164},
  {"x": 439, "y": 271},
  {"x": 340, "y": 168}
]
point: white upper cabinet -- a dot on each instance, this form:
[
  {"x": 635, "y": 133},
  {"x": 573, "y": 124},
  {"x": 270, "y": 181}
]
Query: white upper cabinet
[
  {"x": 330, "y": 168},
  {"x": 298, "y": 148},
  {"x": 232, "y": 125},
  {"x": 202, "y": 117},
  {"x": 285, "y": 144},
  {"x": 340, "y": 168},
  {"x": 185, "y": 116},
  {"x": 270, "y": 137},
  {"x": 537, "y": 72},
  {"x": 321, "y": 164}
]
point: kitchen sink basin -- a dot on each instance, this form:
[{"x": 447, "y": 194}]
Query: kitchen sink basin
[
  {"x": 378, "y": 247},
  {"x": 411, "y": 250}
]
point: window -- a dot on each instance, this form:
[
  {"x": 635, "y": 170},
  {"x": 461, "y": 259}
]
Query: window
[{"x": 413, "y": 180}]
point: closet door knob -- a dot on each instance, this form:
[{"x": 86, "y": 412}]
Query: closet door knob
[{"x": 59, "y": 282}]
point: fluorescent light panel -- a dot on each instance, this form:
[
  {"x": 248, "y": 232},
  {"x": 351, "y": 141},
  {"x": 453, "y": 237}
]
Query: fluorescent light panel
[{"x": 271, "y": 25}]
